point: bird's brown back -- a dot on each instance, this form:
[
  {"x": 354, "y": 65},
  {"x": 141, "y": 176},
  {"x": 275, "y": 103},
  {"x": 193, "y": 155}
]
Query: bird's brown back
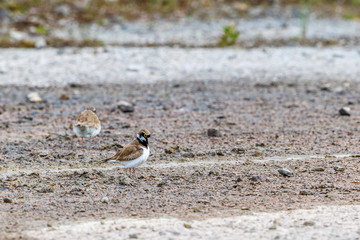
[{"x": 87, "y": 118}]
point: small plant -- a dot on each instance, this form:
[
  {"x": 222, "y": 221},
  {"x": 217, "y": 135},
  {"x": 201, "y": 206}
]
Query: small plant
[
  {"x": 305, "y": 14},
  {"x": 41, "y": 30},
  {"x": 229, "y": 37}
]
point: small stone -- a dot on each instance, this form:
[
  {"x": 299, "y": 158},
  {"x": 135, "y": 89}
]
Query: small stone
[
  {"x": 188, "y": 155},
  {"x": 187, "y": 225},
  {"x": 34, "y": 97},
  {"x": 255, "y": 178},
  {"x": 245, "y": 208},
  {"x": 219, "y": 152},
  {"x": 125, "y": 107},
  {"x": 168, "y": 151},
  {"x": 105, "y": 200},
  {"x": 238, "y": 179},
  {"x": 318, "y": 169},
  {"x": 133, "y": 236},
  {"x": 7, "y": 200},
  {"x": 64, "y": 97},
  {"x": 238, "y": 150},
  {"x": 339, "y": 168},
  {"x": 200, "y": 154},
  {"x": 285, "y": 172},
  {"x": 213, "y": 172},
  {"x": 211, "y": 132},
  {"x": 305, "y": 192},
  {"x": 49, "y": 225},
  {"x": 345, "y": 111},
  {"x": 309, "y": 223}
]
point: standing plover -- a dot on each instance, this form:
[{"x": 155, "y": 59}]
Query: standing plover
[
  {"x": 133, "y": 154},
  {"x": 86, "y": 124}
]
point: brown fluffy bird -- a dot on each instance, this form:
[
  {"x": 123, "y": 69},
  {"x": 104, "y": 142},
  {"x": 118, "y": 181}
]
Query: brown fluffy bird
[
  {"x": 86, "y": 124},
  {"x": 135, "y": 153}
]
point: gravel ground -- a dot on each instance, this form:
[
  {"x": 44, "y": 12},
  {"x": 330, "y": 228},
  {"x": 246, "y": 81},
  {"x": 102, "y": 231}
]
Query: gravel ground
[
  {"x": 47, "y": 180},
  {"x": 148, "y": 65}
]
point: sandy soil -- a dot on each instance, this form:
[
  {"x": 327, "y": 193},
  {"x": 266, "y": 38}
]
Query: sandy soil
[{"x": 190, "y": 175}]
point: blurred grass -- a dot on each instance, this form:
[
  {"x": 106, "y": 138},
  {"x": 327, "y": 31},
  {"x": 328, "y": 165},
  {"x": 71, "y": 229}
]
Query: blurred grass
[{"x": 98, "y": 10}]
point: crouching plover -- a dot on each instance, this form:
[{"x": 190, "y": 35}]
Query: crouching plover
[{"x": 86, "y": 124}]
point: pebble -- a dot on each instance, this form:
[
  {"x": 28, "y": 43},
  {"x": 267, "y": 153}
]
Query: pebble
[
  {"x": 7, "y": 200},
  {"x": 105, "y": 200},
  {"x": 255, "y": 178},
  {"x": 211, "y": 132},
  {"x": 133, "y": 236},
  {"x": 34, "y": 97},
  {"x": 64, "y": 97},
  {"x": 187, "y": 225},
  {"x": 309, "y": 223},
  {"x": 238, "y": 150},
  {"x": 188, "y": 155},
  {"x": 345, "y": 111},
  {"x": 318, "y": 169},
  {"x": 339, "y": 168},
  {"x": 305, "y": 192},
  {"x": 125, "y": 107},
  {"x": 285, "y": 172},
  {"x": 219, "y": 152}
]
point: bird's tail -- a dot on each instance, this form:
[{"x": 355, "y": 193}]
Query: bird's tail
[{"x": 107, "y": 159}]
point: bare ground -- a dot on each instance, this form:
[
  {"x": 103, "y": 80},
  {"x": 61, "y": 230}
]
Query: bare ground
[{"x": 230, "y": 175}]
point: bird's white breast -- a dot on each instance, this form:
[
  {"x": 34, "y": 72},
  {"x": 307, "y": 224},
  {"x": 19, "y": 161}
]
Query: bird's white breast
[
  {"x": 138, "y": 161},
  {"x": 86, "y": 131}
]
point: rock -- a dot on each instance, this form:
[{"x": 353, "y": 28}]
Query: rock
[
  {"x": 7, "y": 200},
  {"x": 105, "y": 200},
  {"x": 309, "y": 223},
  {"x": 255, "y": 178},
  {"x": 345, "y": 111},
  {"x": 260, "y": 144},
  {"x": 64, "y": 97},
  {"x": 305, "y": 192},
  {"x": 213, "y": 172},
  {"x": 168, "y": 151},
  {"x": 200, "y": 154},
  {"x": 219, "y": 152},
  {"x": 187, "y": 225},
  {"x": 133, "y": 236},
  {"x": 238, "y": 179},
  {"x": 188, "y": 155},
  {"x": 238, "y": 150},
  {"x": 34, "y": 97},
  {"x": 318, "y": 169},
  {"x": 125, "y": 107},
  {"x": 161, "y": 184},
  {"x": 211, "y": 132},
  {"x": 339, "y": 168},
  {"x": 285, "y": 172}
]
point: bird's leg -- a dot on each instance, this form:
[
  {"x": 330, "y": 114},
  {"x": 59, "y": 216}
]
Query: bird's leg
[
  {"x": 134, "y": 172},
  {"x": 90, "y": 141}
]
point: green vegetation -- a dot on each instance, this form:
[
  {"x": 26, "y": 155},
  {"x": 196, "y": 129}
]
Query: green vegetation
[{"x": 229, "y": 37}]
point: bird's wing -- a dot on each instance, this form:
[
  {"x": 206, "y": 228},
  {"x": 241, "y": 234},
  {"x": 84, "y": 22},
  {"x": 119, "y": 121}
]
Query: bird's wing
[{"x": 128, "y": 153}]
